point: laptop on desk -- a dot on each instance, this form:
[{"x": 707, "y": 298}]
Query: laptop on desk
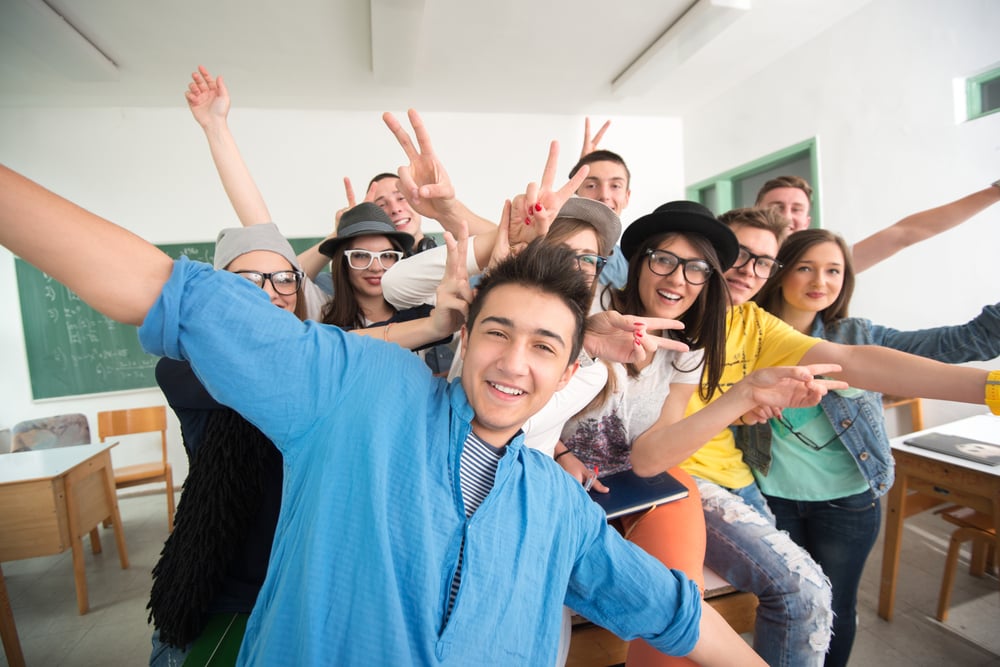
[
  {"x": 630, "y": 493},
  {"x": 962, "y": 447}
]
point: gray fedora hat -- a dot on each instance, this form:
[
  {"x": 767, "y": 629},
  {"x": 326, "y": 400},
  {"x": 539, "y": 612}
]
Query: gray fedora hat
[
  {"x": 365, "y": 219},
  {"x": 599, "y": 216}
]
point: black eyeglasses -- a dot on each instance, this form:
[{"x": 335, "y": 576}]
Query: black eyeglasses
[
  {"x": 362, "y": 259},
  {"x": 590, "y": 265},
  {"x": 809, "y": 442},
  {"x": 664, "y": 262},
  {"x": 285, "y": 283},
  {"x": 763, "y": 266}
]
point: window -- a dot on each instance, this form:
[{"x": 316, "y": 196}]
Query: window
[
  {"x": 738, "y": 187},
  {"x": 982, "y": 94}
]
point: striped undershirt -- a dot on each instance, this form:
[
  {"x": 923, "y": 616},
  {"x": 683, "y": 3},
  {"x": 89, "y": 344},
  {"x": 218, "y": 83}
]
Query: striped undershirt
[{"x": 477, "y": 471}]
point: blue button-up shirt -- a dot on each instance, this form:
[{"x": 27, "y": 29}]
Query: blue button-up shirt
[{"x": 372, "y": 519}]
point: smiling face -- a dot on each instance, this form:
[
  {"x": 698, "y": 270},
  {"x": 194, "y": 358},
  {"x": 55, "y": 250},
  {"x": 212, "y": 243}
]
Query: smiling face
[
  {"x": 265, "y": 261},
  {"x": 669, "y": 296},
  {"x": 516, "y": 354},
  {"x": 368, "y": 282},
  {"x": 792, "y": 203},
  {"x": 743, "y": 282},
  {"x": 607, "y": 182},
  {"x": 816, "y": 280},
  {"x": 391, "y": 200}
]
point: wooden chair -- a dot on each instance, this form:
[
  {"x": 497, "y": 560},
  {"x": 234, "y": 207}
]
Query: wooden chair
[
  {"x": 975, "y": 526},
  {"x": 50, "y": 432},
  {"x": 112, "y": 423}
]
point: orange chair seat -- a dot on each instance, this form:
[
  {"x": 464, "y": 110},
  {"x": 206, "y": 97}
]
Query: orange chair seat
[{"x": 142, "y": 473}]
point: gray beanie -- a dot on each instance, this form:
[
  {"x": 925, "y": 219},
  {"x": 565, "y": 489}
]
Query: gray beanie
[{"x": 236, "y": 241}]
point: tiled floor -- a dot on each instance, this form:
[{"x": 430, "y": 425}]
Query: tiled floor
[{"x": 114, "y": 632}]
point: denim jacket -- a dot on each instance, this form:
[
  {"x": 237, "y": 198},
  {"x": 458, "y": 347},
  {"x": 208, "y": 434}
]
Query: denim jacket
[{"x": 859, "y": 416}]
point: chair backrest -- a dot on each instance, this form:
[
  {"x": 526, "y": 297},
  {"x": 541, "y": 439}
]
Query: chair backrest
[
  {"x": 50, "y": 432},
  {"x": 134, "y": 420}
]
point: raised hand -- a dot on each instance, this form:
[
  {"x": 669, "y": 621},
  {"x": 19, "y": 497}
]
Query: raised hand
[
  {"x": 207, "y": 98},
  {"x": 590, "y": 145},
  {"x": 625, "y": 338},
  {"x": 502, "y": 246},
  {"x": 541, "y": 202},
  {"x": 454, "y": 293},
  {"x": 424, "y": 182},
  {"x": 351, "y": 202}
]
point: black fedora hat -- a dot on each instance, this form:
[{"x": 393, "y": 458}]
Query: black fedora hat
[{"x": 687, "y": 217}]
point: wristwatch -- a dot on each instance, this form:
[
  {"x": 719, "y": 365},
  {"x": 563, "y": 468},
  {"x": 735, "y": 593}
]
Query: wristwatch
[{"x": 993, "y": 392}]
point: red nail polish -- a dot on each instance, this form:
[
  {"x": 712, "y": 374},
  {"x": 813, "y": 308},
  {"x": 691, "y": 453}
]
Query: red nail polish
[
  {"x": 538, "y": 207},
  {"x": 527, "y": 221}
]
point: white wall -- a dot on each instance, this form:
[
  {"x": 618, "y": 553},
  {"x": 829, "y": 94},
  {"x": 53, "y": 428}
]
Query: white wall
[
  {"x": 877, "y": 92},
  {"x": 149, "y": 170}
]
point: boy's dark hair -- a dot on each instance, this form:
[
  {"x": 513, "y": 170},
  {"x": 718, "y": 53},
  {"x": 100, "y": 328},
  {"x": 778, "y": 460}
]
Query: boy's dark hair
[
  {"x": 786, "y": 182},
  {"x": 548, "y": 268},
  {"x": 380, "y": 177},
  {"x": 770, "y": 297},
  {"x": 602, "y": 156},
  {"x": 767, "y": 219}
]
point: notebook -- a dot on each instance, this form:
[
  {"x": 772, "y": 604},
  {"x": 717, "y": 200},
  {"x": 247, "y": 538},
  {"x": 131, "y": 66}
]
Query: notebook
[
  {"x": 630, "y": 493},
  {"x": 960, "y": 446}
]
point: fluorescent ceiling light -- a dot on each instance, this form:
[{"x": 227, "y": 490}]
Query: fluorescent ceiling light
[
  {"x": 699, "y": 25},
  {"x": 46, "y": 34}
]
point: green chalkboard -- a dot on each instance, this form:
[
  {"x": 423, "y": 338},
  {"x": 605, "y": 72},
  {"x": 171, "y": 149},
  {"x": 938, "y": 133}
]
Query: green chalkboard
[{"x": 72, "y": 349}]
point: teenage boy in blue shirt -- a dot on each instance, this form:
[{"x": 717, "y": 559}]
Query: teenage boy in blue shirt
[{"x": 377, "y": 557}]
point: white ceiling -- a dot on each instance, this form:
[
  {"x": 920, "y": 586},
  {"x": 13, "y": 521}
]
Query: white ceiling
[{"x": 511, "y": 56}]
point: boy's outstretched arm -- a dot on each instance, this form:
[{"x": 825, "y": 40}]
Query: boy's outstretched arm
[
  {"x": 112, "y": 269},
  {"x": 920, "y": 226}
]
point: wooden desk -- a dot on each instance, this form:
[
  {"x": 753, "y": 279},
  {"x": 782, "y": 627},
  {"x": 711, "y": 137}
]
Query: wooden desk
[
  {"x": 925, "y": 479},
  {"x": 50, "y": 499}
]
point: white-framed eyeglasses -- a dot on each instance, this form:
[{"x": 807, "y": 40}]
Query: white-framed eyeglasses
[{"x": 360, "y": 260}]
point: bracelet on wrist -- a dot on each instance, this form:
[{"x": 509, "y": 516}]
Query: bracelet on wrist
[
  {"x": 993, "y": 392},
  {"x": 562, "y": 453}
]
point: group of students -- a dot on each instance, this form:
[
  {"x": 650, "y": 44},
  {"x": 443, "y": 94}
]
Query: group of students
[{"x": 368, "y": 511}]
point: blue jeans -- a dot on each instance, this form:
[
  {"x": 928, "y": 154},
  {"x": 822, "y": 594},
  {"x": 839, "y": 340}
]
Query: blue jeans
[
  {"x": 165, "y": 655},
  {"x": 742, "y": 545},
  {"x": 839, "y": 534}
]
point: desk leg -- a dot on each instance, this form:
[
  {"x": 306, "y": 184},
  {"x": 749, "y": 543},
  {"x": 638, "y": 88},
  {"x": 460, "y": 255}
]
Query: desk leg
[
  {"x": 8, "y": 631},
  {"x": 76, "y": 545},
  {"x": 895, "y": 513},
  {"x": 996, "y": 528},
  {"x": 116, "y": 518}
]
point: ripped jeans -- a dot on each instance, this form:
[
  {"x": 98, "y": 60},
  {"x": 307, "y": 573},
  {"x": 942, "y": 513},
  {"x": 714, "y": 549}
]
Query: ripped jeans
[{"x": 794, "y": 617}]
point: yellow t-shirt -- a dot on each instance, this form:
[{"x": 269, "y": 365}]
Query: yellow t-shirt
[{"x": 755, "y": 339}]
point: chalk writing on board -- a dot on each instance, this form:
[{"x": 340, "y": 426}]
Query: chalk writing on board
[{"x": 72, "y": 349}]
